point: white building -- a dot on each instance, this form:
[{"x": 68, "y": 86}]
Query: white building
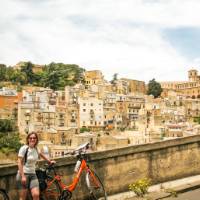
[{"x": 91, "y": 112}]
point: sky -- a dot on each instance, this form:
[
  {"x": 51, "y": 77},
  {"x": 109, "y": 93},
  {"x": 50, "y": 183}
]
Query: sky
[{"x": 137, "y": 39}]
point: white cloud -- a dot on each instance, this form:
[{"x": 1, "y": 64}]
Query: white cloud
[{"x": 115, "y": 36}]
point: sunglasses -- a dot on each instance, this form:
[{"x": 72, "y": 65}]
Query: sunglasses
[{"x": 32, "y": 138}]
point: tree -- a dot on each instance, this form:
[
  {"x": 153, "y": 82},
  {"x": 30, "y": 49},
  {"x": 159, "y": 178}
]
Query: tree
[
  {"x": 53, "y": 80},
  {"x": 115, "y": 77},
  {"x": 19, "y": 77},
  {"x": 27, "y": 68},
  {"x": 58, "y": 75},
  {"x": 2, "y": 72},
  {"x": 9, "y": 73},
  {"x": 197, "y": 119},
  {"x": 9, "y": 142},
  {"x": 55, "y": 75},
  {"x": 9, "y": 139},
  {"x": 6, "y": 125},
  {"x": 154, "y": 88}
]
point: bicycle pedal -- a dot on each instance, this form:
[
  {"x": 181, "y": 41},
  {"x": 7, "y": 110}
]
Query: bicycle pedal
[{"x": 65, "y": 195}]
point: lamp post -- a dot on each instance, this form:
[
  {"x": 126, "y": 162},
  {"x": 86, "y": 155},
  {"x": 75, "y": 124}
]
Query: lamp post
[{"x": 27, "y": 120}]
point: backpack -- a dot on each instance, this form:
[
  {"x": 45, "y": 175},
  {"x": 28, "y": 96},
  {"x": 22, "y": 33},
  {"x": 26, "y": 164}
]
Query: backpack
[
  {"x": 42, "y": 177},
  {"x": 40, "y": 173}
]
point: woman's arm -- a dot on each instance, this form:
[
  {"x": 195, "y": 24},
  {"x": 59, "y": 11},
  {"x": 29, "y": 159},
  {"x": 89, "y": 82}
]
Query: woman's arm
[
  {"x": 47, "y": 159},
  {"x": 20, "y": 162}
]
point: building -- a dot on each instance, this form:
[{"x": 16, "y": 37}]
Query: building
[
  {"x": 9, "y": 99},
  {"x": 91, "y": 113},
  {"x": 93, "y": 77},
  {"x": 188, "y": 89}
]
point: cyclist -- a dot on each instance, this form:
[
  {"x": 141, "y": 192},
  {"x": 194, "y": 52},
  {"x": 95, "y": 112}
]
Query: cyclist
[{"x": 27, "y": 157}]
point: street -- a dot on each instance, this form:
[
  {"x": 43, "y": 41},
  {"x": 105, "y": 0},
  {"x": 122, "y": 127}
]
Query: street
[{"x": 191, "y": 195}]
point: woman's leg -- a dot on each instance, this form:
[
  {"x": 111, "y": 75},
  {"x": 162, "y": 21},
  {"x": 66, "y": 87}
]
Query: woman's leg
[
  {"x": 34, "y": 187},
  {"x": 35, "y": 193},
  {"x": 21, "y": 188},
  {"x": 22, "y": 194}
]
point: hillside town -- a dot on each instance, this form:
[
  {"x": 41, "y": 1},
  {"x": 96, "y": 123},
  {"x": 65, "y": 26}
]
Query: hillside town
[{"x": 106, "y": 114}]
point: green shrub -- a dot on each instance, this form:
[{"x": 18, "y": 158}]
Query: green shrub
[
  {"x": 9, "y": 142},
  {"x": 84, "y": 129},
  {"x": 140, "y": 187}
]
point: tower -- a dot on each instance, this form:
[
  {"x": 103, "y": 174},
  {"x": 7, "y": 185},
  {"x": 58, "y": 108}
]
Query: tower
[{"x": 193, "y": 75}]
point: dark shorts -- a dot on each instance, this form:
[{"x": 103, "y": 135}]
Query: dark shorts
[{"x": 31, "y": 181}]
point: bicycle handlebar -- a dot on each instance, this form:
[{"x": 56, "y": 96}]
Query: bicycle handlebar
[
  {"x": 78, "y": 151},
  {"x": 81, "y": 149}
]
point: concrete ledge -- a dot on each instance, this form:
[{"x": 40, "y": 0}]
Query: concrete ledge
[
  {"x": 100, "y": 155},
  {"x": 144, "y": 147},
  {"x": 161, "y": 161}
]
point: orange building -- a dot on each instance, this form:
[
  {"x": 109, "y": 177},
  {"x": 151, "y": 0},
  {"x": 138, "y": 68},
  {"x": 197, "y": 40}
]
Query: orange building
[{"x": 8, "y": 105}]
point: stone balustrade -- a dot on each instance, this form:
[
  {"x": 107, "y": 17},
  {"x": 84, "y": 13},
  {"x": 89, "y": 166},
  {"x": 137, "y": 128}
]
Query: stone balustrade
[{"x": 160, "y": 161}]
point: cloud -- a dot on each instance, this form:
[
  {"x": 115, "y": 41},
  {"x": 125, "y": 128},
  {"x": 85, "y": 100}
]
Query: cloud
[{"x": 137, "y": 39}]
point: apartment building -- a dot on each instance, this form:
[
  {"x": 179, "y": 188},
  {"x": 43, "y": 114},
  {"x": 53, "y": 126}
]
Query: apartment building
[
  {"x": 9, "y": 99},
  {"x": 91, "y": 113},
  {"x": 127, "y": 107},
  {"x": 129, "y": 86},
  {"x": 109, "y": 109},
  {"x": 37, "y": 111}
]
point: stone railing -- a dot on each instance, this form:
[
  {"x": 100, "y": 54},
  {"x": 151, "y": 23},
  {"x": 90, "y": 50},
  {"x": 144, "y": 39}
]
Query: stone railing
[{"x": 160, "y": 161}]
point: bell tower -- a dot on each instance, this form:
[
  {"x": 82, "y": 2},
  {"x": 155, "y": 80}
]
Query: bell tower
[{"x": 193, "y": 75}]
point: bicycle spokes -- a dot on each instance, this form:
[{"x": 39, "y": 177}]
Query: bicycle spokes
[{"x": 95, "y": 186}]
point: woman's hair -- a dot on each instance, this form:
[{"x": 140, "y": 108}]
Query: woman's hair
[{"x": 28, "y": 136}]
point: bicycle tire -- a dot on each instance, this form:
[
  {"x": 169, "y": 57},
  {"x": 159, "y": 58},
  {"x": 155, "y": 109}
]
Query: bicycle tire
[
  {"x": 53, "y": 190},
  {"x": 3, "y": 195},
  {"x": 95, "y": 186}
]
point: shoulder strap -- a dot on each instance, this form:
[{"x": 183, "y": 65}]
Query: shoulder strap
[
  {"x": 25, "y": 155},
  {"x": 37, "y": 152}
]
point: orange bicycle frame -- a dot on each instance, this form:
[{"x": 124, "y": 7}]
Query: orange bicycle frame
[{"x": 72, "y": 186}]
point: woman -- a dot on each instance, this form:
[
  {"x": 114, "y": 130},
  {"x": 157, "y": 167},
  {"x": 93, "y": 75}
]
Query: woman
[{"x": 27, "y": 157}]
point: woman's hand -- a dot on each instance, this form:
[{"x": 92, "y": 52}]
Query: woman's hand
[
  {"x": 51, "y": 162},
  {"x": 23, "y": 180}
]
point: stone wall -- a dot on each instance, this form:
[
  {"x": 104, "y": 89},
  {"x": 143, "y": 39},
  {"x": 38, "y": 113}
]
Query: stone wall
[{"x": 160, "y": 161}]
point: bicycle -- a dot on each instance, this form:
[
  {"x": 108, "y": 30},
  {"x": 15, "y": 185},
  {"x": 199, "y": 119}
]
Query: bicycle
[
  {"x": 3, "y": 194},
  {"x": 55, "y": 189}
]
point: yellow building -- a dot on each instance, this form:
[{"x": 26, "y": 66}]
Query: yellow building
[
  {"x": 129, "y": 86},
  {"x": 188, "y": 89},
  {"x": 93, "y": 77}
]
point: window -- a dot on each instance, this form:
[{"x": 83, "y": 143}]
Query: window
[
  {"x": 84, "y": 110},
  {"x": 84, "y": 104},
  {"x": 91, "y": 104}
]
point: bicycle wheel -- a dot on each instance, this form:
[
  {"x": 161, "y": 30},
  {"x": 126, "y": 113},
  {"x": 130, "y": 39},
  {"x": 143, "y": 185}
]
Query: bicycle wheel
[
  {"x": 3, "y": 195},
  {"x": 52, "y": 191},
  {"x": 95, "y": 186}
]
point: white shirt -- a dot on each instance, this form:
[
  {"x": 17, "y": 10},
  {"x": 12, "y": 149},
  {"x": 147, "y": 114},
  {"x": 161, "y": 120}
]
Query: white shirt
[{"x": 32, "y": 158}]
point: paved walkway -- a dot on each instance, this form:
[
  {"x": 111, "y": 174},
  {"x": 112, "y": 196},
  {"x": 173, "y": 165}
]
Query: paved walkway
[
  {"x": 163, "y": 190},
  {"x": 191, "y": 195}
]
